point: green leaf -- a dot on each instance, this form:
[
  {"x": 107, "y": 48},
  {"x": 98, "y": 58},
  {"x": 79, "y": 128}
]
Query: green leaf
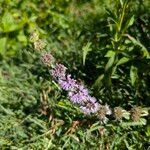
[
  {"x": 98, "y": 82},
  {"x": 3, "y": 45},
  {"x": 74, "y": 137},
  {"x": 110, "y": 63},
  {"x": 138, "y": 43},
  {"x": 110, "y": 53},
  {"x": 148, "y": 131},
  {"x": 9, "y": 24},
  {"x": 94, "y": 127},
  {"x": 144, "y": 112},
  {"x": 121, "y": 2},
  {"x": 122, "y": 61},
  {"x": 131, "y": 21},
  {"x": 22, "y": 38},
  {"x": 85, "y": 50},
  {"x": 141, "y": 122},
  {"x": 133, "y": 74},
  {"x": 126, "y": 115},
  {"x": 128, "y": 23}
]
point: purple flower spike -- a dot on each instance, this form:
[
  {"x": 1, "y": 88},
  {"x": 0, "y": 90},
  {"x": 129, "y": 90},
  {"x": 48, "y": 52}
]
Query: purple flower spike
[
  {"x": 68, "y": 84},
  {"x": 90, "y": 107},
  {"x": 77, "y": 97},
  {"x": 77, "y": 93},
  {"x": 82, "y": 89},
  {"x": 59, "y": 71}
]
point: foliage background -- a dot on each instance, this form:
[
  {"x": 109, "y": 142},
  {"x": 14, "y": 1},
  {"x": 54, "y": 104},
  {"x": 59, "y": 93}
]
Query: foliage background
[{"x": 83, "y": 35}]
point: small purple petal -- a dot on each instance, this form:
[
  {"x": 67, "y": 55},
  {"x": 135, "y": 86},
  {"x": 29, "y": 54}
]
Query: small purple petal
[
  {"x": 77, "y": 97},
  {"x": 59, "y": 71},
  {"x": 67, "y": 83},
  {"x": 90, "y": 108},
  {"x": 77, "y": 93}
]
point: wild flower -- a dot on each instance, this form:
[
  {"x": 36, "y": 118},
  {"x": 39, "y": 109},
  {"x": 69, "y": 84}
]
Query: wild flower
[
  {"x": 135, "y": 113},
  {"x": 34, "y": 37},
  {"x": 39, "y": 45},
  {"x": 90, "y": 105},
  {"x": 67, "y": 83},
  {"x": 118, "y": 113},
  {"x": 58, "y": 72},
  {"x": 77, "y": 93},
  {"x": 103, "y": 111}
]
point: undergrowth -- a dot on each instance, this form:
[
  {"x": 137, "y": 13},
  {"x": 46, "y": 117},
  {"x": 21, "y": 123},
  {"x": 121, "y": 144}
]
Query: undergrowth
[{"x": 104, "y": 45}]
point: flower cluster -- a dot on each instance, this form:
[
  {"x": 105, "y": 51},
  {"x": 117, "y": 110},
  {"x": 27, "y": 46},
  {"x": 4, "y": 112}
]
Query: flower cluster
[
  {"x": 59, "y": 72},
  {"x": 77, "y": 93},
  {"x": 39, "y": 44},
  {"x": 103, "y": 112}
]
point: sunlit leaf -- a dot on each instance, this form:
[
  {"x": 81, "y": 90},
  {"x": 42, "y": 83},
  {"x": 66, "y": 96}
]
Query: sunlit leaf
[
  {"x": 85, "y": 50},
  {"x": 123, "y": 60},
  {"x": 110, "y": 53},
  {"x": 141, "y": 122},
  {"x": 129, "y": 23}
]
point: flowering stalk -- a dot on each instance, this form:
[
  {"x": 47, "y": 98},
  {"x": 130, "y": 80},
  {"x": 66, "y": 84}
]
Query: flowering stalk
[{"x": 79, "y": 94}]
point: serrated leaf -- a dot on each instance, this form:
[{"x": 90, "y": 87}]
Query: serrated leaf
[
  {"x": 8, "y": 22},
  {"x": 143, "y": 121},
  {"x": 131, "y": 21}
]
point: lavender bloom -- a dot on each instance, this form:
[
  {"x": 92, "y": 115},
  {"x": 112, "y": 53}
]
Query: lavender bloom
[
  {"x": 82, "y": 89},
  {"x": 78, "y": 95},
  {"x": 91, "y": 106},
  {"x": 68, "y": 83},
  {"x": 59, "y": 72}
]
